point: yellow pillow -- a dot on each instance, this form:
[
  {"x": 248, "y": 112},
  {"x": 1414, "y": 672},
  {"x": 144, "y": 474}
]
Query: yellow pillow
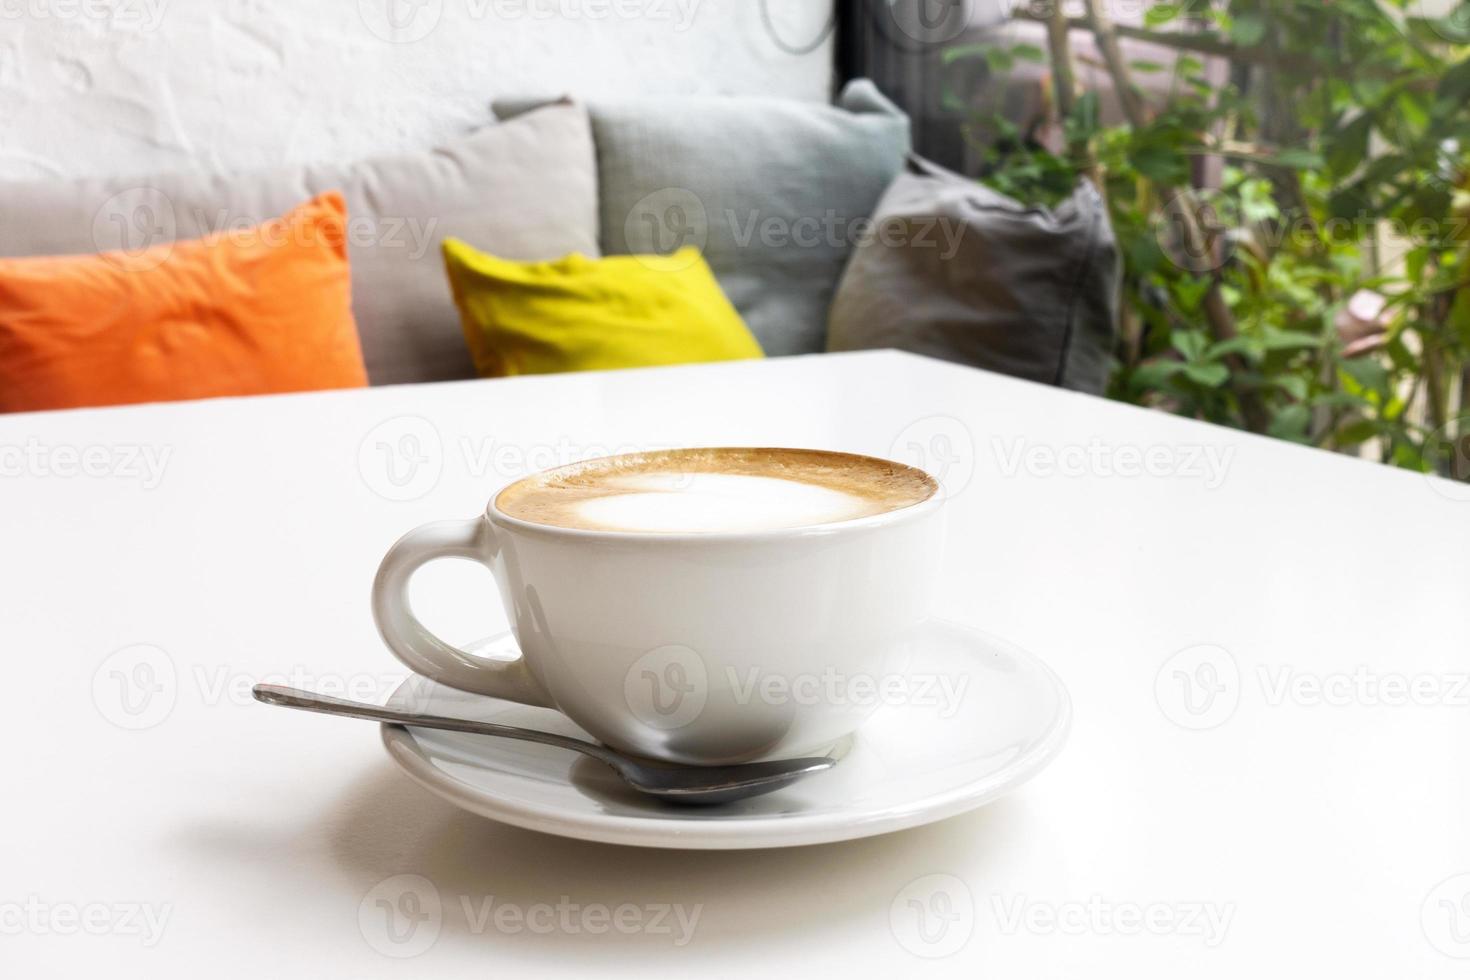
[{"x": 581, "y": 314}]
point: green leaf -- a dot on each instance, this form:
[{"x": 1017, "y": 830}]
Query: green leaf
[
  {"x": 1294, "y": 385},
  {"x": 1291, "y": 423},
  {"x": 1275, "y": 338},
  {"x": 1248, "y": 30},
  {"x": 1209, "y": 375},
  {"x": 1356, "y": 433},
  {"x": 1146, "y": 67},
  {"x": 1369, "y": 374},
  {"x": 1349, "y": 147},
  {"x": 1160, "y": 14},
  {"x": 1297, "y": 159},
  {"x": 1028, "y": 52},
  {"x": 1190, "y": 343},
  {"x": 1459, "y": 318},
  {"x": 1155, "y": 374}
]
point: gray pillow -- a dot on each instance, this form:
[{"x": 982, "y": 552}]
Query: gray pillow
[
  {"x": 773, "y": 191},
  {"x": 957, "y": 271},
  {"x": 525, "y": 190}
]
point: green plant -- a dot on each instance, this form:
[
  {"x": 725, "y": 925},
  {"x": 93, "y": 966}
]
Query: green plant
[{"x": 1318, "y": 289}]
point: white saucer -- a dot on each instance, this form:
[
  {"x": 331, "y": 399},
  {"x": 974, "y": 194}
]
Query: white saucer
[{"x": 911, "y": 764}]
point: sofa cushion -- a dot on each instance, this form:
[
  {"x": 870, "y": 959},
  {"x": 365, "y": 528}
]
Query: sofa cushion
[
  {"x": 581, "y": 314},
  {"x": 243, "y": 312},
  {"x": 957, "y": 271},
  {"x": 525, "y": 189},
  {"x": 772, "y": 191}
]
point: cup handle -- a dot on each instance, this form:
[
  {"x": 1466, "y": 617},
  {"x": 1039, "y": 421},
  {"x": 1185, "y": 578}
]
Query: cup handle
[{"x": 422, "y": 651}]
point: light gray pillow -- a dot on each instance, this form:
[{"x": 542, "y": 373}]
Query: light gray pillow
[
  {"x": 524, "y": 190},
  {"x": 773, "y": 191},
  {"x": 957, "y": 271}
]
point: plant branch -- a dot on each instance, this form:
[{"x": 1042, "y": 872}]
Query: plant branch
[{"x": 1216, "y": 310}]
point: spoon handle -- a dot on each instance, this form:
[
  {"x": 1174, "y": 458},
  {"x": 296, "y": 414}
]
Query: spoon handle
[{"x": 290, "y": 697}]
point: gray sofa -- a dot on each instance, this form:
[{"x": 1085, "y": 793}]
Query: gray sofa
[{"x": 777, "y": 194}]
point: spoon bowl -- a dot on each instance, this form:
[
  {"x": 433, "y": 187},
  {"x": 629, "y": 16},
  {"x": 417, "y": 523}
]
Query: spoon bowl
[{"x": 686, "y": 785}]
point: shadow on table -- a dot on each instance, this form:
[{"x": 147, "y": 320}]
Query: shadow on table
[{"x": 388, "y": 826}]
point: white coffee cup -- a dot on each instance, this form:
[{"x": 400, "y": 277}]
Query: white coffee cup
[{"x": 696, "y": 648}]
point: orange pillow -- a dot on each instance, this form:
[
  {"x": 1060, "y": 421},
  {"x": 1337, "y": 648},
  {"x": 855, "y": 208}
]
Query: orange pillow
[{"x": 239, "y": 312}]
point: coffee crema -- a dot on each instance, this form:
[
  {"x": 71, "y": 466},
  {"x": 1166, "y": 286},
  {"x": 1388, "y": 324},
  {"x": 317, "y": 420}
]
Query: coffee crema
[{"x": 715, "y": 490}]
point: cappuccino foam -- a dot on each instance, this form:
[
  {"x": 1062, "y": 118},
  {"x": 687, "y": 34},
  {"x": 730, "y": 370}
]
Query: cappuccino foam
[{"x": 715, "y": 490}]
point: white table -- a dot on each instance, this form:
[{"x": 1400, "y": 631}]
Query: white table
[{"x": 1304, "y": 834}]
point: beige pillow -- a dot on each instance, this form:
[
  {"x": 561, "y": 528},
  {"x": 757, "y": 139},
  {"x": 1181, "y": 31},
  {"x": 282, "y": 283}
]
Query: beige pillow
[{"x": 524, "y": 189}]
